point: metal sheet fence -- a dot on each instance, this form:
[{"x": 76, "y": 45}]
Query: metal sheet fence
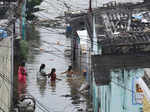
[{"x": 5, "y": 73}]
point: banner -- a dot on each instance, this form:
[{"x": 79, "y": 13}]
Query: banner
[{"x": 137, "y": 92}]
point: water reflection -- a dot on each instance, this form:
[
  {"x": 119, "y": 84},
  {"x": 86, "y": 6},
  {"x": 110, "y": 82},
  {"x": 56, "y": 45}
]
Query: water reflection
[
  {"x": 53, "y": 86},
  {"x": 21, "y": 88},
  {"x": 77, "y": 98},
  {"x": 42, "y": 85},
  {"x": 45, "y": 90}
]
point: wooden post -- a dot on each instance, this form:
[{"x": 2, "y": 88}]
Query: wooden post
[{"x": 90, "y": 5}]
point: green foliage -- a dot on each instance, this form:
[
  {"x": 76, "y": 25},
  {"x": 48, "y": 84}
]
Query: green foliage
[
  {"x": 23, "y": 49},
  {"x": 32, "y": 33},
  {"x": 31, "y": 8}
]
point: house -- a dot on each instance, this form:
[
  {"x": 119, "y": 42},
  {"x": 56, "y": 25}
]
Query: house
[
  {"x": 116, "y": 78},
  {"x": 115, "y": 86}
]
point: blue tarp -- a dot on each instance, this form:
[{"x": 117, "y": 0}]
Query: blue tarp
[
  {"x": 3, "y": 33},
  {"x": 138, "y": 17},
  {"x": 68, "y": 28}
]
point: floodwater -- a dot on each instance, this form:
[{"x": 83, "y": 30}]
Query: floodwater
[{"x": 62, "y": 96}]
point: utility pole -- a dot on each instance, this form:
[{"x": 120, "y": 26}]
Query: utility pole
[
  {"x": 95, "y": 45},
  {"x": 12, "y": 59},
  {"x": 94, "y": 48},
  {"x": 90, "y": 5}
]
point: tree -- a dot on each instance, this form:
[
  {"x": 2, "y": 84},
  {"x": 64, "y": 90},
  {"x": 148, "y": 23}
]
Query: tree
[{"x": 30, "y": 8}]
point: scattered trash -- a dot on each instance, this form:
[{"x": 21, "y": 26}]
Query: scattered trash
[
  {"x": 67, "y": 95},
  {"x": 26, "y": 104},
  {"x": 51, "y": 59},
  {"x": 58, "y": 43},
  {"x": 90, "y": 110},
  {"x": 67, "y": 52},
  {"x": 83, "y": 86},
  {"x": 41, "y": 49},
  {"x": 80, "y": 110}
]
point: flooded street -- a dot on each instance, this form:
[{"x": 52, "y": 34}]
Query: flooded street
[{"x": 62, "y": 96}]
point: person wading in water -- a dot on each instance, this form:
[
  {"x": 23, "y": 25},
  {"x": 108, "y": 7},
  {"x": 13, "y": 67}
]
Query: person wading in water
[
  {"x": 42, "y": 70},
  {"x": 22, "y": 72},
  {"x": 69, "y": 72},
  {"x": 52, "y": 75}
]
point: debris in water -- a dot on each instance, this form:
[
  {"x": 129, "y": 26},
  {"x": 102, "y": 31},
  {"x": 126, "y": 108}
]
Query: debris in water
[
  {"x": 80, "y": 110},
  {"x": 66, "y": 95}
]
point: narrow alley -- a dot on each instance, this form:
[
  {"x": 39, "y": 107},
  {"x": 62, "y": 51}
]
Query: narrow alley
[{"x": 63, "y": 96}]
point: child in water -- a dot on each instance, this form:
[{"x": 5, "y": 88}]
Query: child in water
[
  {"x": 52, "y": 75},
  {"x": 69, "y": 72}
]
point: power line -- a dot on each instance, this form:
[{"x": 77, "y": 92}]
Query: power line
[{"x": 68, "y": 6}]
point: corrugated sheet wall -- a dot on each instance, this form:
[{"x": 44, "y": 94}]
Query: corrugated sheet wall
[{"x": 5, "y": 72}]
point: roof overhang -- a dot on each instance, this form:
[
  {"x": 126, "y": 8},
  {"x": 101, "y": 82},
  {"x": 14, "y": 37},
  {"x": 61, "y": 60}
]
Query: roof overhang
[{"x": 103, "y": 64}]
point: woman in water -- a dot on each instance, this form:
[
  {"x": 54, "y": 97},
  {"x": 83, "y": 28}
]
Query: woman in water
[
  {"x": 22, "y": 72},
  {"x": 42, "y": 70}
]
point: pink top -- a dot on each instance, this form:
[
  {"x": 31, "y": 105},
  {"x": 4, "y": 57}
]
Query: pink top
[
  {"x": 53, "y": 76},
  {"x": 22, "y": 74}
]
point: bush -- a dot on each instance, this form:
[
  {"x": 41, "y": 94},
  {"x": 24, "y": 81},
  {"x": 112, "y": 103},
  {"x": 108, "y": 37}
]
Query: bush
[
  {"x": 23, "y": 49},
  {"x": 30, "y": 8}
]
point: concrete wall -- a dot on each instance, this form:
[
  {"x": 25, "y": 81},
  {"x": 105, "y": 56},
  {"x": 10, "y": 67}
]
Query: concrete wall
[
  {"x": 146, "y": 105},
  {"x": 118, "y": 95},
  {"x": 5, "y": 68},
  {"x": 123, "y": 98},
  {"x": 95, "y": 94}
]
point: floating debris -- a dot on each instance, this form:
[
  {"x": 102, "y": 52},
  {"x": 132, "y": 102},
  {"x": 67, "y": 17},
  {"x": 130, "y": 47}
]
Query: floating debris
[
  {"x": 26, "y": 103},
  {"x": 65, "y": 95}
]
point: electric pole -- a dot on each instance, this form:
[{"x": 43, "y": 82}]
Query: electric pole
[{"x": 90, "y": 5}]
